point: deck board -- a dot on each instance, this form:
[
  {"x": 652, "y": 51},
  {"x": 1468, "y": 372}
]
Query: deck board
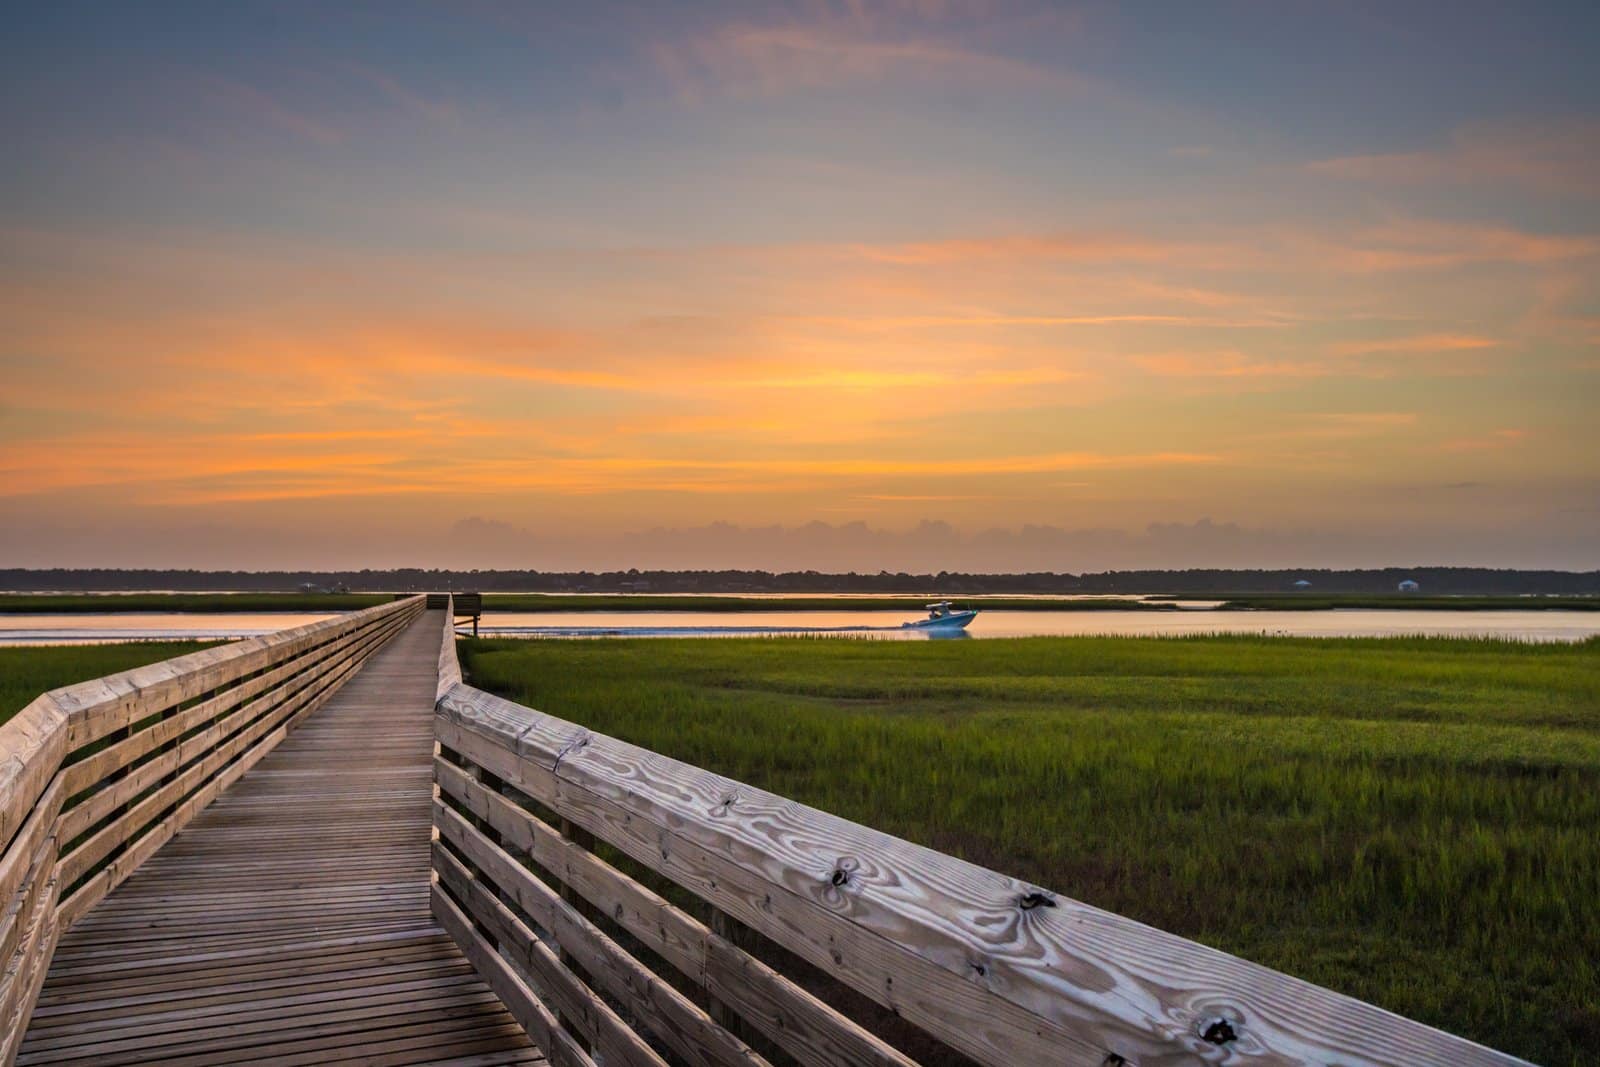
[{"x": 289, "y": 922}]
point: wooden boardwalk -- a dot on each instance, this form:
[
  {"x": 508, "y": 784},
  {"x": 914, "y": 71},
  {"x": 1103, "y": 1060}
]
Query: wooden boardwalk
[{"x": 289, "y": 923}]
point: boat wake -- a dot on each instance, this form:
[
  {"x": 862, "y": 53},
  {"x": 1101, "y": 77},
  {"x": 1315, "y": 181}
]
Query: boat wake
[{"x": 677, "y": 631}]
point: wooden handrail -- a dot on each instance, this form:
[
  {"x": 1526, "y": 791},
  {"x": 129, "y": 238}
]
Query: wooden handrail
[
  {"x": 95, "y": 777},
  {"x": 1000, "y": 971}
]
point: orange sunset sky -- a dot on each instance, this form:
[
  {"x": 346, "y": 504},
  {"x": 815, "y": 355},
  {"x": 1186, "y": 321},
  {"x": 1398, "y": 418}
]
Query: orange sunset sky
[{"x": 921, "y": 285}]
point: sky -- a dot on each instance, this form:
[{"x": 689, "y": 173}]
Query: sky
[{"x": 917, "y": 285}]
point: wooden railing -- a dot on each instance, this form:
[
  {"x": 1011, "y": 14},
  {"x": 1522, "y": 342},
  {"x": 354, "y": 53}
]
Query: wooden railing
[
  {"x": 632, "y": 909},
  {"x": 95, "y": 777}
]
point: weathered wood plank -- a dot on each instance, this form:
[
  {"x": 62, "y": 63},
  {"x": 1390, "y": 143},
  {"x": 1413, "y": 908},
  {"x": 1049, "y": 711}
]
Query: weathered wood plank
[
  {"x": 34, "y": 788},
  {"x": 290, "y": 922},
  {"x": 33, "y": 743},
  {"x": 222, "y": 743},
  {"x": 783, "y": 1011},
  {"x": 529, "y": 1010},
  {"x": 94, "y": 808},
  {"x": 672, "y": 1017},
  {"x": 99, "y": 706},
  {"x": 1002, "y": 970},
  {"x": 561, "y": 989},
  {"x": 96, "y": 767},
  {"x": 38, "y": 891},
  {"x": 19, "y": 986},
  {"x": 151, "y": 839},
  {"x": 21, "y": 855},
  {"x": 137, "y": 817},
  {"x": 449, "y": 665}
]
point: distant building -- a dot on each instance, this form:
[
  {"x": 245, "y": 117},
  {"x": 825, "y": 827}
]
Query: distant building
[
  {"x": 1302, "y": 584},
  {"x": 1409, "y": 586}
]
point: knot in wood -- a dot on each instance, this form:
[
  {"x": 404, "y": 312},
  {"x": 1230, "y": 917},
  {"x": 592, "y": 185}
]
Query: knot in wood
[
  {"x": 843, "y": 868},
  {"x": 1036, "y": 899},
  {"x": 1218, "y": 1031}
]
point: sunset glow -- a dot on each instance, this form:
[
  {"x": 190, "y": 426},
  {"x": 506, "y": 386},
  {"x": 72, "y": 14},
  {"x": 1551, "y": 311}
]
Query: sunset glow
[{"x": 1009, "y": 286}]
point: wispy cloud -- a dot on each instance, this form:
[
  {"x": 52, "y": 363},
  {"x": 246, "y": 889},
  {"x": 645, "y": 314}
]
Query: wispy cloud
[
  {"x": 416, "y": 103},
  {"x": 1550, "y": 157},
  {"x": 1225, "y": 364},
  {"x": 263, "y": 107},
  {"x": 1425, "y": 344},
  {"x": 1493, "y": 441},
  {"x": 1079, "y": 247},
  {"x": 1424, "y": 244},
  {"x": 755, "y": 59}
]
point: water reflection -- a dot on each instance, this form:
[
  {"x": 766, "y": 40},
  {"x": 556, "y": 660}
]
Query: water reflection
[
  {"x": 112, "y": 627},
  {"x": 1524, "y": 625},
  {"x": 842, "y": 622}
]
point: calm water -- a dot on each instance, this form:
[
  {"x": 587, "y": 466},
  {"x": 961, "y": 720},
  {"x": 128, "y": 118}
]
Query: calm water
[
  {"x": 82, "y": 629},
  {"x": 1527, "y": 625},
  {"x": 844, "y": 622}
]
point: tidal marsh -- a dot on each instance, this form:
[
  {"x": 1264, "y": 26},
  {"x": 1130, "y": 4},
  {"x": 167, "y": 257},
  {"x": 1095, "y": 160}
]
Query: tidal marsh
[
  {"x": 28, "y": 670},
  {"x": 1413, "y": 822}
]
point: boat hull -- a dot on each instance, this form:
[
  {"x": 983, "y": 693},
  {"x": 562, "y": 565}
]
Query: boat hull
[{"x": 956, "y": 620}]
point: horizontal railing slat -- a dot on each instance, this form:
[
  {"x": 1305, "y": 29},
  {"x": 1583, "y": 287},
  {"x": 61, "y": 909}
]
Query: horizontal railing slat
[
  {"x": 229, "y": 720},
  {"x": 525, "y": 1006},
  {"x": 96, "y": 767},
  {"x": 259, "y": 739},
  {"x": 612, "y": 1040},
  {"x": 32, "y": 745},
  {"x": 664, "y": 1011},
  {"x": 783, "y": 1011}
]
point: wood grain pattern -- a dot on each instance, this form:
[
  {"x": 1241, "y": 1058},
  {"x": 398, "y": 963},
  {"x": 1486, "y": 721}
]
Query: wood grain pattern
[
  {"x": 21, "y": 855},
  {"x": 666, "y": 1013},
  {"x": 58, "y": 822},
  {"x": 611, "y": 1039},
  {"x": 98, "y": 766},
  {"x": 32, "y": 746},
  {"x": 1002, "y": 970},
  {"x": 449, "y": 665},
  {"x": 289, "y": 922},
  {"x": 783, "y": 1011},
  {"x": 539, "y": 1022},
  {"x": 234, "y": 736},
  {"x": 292, "y": 693},
  {"x": 152, "y": 838}
]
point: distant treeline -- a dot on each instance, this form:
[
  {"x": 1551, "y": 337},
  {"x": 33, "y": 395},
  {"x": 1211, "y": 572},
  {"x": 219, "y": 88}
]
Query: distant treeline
[{"x": 1444, "y": 581}]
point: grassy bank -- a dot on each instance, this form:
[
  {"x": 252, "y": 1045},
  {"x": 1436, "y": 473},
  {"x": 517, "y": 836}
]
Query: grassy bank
[
  {"x": 25, "y": 672},
  {"x": 210, "y": 603},
  {"x": 1408, "y": 602},
  {"x": 1412, "y": 822}
]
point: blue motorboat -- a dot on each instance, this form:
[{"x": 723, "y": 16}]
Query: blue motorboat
[{"x": 942, "y": 616}]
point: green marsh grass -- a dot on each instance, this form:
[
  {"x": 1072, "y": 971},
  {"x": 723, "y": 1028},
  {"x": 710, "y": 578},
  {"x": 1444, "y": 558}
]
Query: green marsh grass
[
  {"x": 28, "y": 670},
  {"x": 1415, "y": 822}
]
